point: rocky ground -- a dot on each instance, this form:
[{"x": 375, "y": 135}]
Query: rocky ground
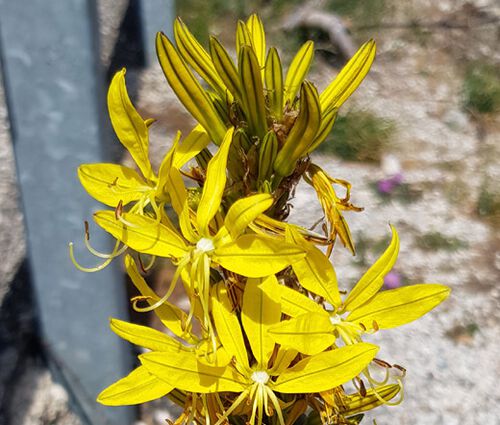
[{"x": 447, "y": 157}]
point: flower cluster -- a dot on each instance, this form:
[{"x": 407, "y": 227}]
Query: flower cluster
[{"x": 268, "y": 336}]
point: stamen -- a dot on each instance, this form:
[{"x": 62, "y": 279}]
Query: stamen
[
  {"x": 119, "y": 210},
  {"x": 233, "y": 406},
  {"x": 260, "y": 377},
  {"x": 205, "y": 245}
]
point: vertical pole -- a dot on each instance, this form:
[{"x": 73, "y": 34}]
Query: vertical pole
[
  {"x": 156, "y": 15},
  {"x": 55, "y": 97}
]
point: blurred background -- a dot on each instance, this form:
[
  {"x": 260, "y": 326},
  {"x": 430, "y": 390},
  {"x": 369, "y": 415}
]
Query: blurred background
[{"x": 419, "y": 141}]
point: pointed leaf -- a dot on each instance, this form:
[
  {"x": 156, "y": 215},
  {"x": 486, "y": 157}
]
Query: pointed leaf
[
  {"x": 146, "y": 235},
  {"x": 349, "y": 78},
  {"x": 254, "y": 104},
  {"x": 314, "y": 272},
  {"x": 273, "y": 77},
  {"x": 214, "y": 185},
  {"x": 170, "y": 315},
  {"x": 257, "y": 256},
  {"x": 303, "y": 132},
  {"x": 309, "y": 333},
  {"x": 244, "y": 211},
  {"x": 186, "y": 373},
  {"x": 326, "y": 370},
  {"x": 196, "y": 56},
  {"x": 188, "y": 89},
  {"x": 227, "y": 325},
  {"x": 112, "y": 183},
  {"x": 397, "y": 307},
  {"x": 145, "y": 336},
  {"x": 373, "y": 279},
  {"x": 129, "y": 126},
  {"x": 138, "y": 387},
  {"x": 258, "y": 314},
  {"x": 298, "y": 70}
]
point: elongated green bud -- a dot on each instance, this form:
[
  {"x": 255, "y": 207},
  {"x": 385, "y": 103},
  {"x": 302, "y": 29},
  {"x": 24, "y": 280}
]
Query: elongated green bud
[
  {"x": 303, "y": 132},
  {"x": 267, "y": 154}
]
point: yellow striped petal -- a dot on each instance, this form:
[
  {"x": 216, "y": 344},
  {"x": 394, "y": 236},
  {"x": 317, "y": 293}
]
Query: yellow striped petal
[
  {"x": 112, "y": 183},
  {"x": 253, "y": 102},
  {"x": 310, "y": 333},
  {"x": 191, "y": 146},
  {"x": 214, "y": 185},
  {"x": 139, "y": 386},
  {"x": 188, "y": 89},
  {"x": 327, "y": 121},
  {"x": 294, "y": 304},
  {"x": 225, "y": 67},
  {"x": 356, "y": 403},
  {"x": 257, "y": 256},
  {"x": 397, "y": 307},
  {"x": 298, "y": 70},
  {"x": 258, "y": 314},
  {"x": 147, "y": 337},
  {"x": 373, "y": 279},
  {"x": 244, "y": 211},
  {"x": 314, "y": 272},
  {"x": 258, "y": 36},
  {"x": 186, "y": 373},
  {"x": 243, "y": 37},
  {"x": 227, "y": 324},
  {"x": 129, "y": 126},
  {"x": 302, "y": 133},
  {"x": 326, "y": 370},
  {"x": 349, "y": 78},
  {"x": 146, "y": 235},
  {"x": 196, "y": 56},
  {"x": 273, "y": 78}
]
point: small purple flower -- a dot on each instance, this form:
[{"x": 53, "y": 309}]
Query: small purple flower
[
  {"x": 392, "y": 280},
  {"x": 386, "y": 186}
]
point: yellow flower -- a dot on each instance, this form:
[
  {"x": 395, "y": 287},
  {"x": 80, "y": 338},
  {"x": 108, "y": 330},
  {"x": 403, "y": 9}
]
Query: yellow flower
[
  {"x": 264, "y": 378},
  {"x": 203, "y": 244},
  {"x": 364, "y": 310}
]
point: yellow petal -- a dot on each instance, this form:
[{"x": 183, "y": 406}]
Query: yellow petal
[
  {"x": 191, "y": 146},
  {"x": 188, "y": 89},
  {"x": 165, "y": 167},
  {"x": 258, "y": 36},
  {"x": 146, "y": 235},
  {"x": 257, "y": 256},
  {"x": 186, "y": 373},
  {"x": 243, "y": 37},
  {"x": 174, "y": 185},
  {"x": 268, "y": 150},
  {"x": 196, "y": 56},
  {"x": 225, "y": 67},
  {"x": 273, "y": 77},
  {"x": 170, "y": 315},
  {"x": 373, "y": 279},
  {"x": 258, "y": 314},
  {"x": 146, "y": 337},
  {"x": 349, "y": 78},
  {"x": 139, "y": 386},
  {"x": 112, "y": 183},
  {"x": 310, "y": 333},
  {"x": 227, "y": 325},
  {"x": 294, "y": 304},
  {"x": 326, "y": 370},
  {"x": 302, "y": 133},
  {"x": 244, "y": 211},
  {"x": 298, "y": 70},
  {"x": 215, "y": 183},
  {"x": 314, "y": 272},
  {"x": 129, "y": 126},
  {"x": 397, "y": 307},
  {"x": 253, "y": 102}
]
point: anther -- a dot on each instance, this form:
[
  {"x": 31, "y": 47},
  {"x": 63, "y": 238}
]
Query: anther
[
  {"x": 87, "y": 233},
  {"x": 119, "y": 210}
]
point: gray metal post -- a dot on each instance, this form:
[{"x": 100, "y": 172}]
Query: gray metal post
[
  {"x": 156, "y": 15},
  {"x": 55, "y": 98}
]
